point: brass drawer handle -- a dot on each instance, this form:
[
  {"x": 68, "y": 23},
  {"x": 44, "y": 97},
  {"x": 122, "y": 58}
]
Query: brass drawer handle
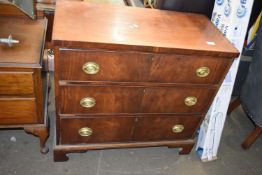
[
  {"x": 190, "y": 101},
  {"x": 178, "y": 128},
  {"x": 90, "y": 68},
  {"x": 88, "y": 102},
  {"x": 85, "y": 132},
  {"x": 202, "y": 71}
]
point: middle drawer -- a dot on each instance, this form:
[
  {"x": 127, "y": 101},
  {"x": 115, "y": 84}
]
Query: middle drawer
[{"x": 124, "y": 99}]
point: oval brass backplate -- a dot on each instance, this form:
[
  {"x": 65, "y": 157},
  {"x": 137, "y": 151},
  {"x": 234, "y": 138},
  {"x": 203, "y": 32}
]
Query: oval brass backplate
[
  {"x": 85, "y": 132},
  {"x": 90, "y": 68},
  {"x": 190, "y": 101},
  {"x": 88, "y": 102},
  {"x": 202, "y": 71},
  {"x": 178, "y": 128}
]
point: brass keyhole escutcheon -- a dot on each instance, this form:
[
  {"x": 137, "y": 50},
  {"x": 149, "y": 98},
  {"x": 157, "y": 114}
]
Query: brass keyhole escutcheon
[
  {"x": 190, "y": 101},
  {"x": 88, "y": 102},
  {"x": 202, "y": 71},
  {"x": 178, "y": 128},
  {"x": 85, "y": 132},
  {"x": 90, "y": 68}
]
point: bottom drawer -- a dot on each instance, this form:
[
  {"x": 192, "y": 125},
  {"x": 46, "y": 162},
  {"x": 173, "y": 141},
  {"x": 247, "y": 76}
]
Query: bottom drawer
[
  {"x": 96, "y": 130},
  {"x": 17, "y": 111},
  {"x": 101, "y": 129}
]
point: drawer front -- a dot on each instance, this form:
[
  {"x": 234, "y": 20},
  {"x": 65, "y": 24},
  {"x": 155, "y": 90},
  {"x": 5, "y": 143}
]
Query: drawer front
[
  {"x": 16, "y": 83},
  {"x": 102, "y": 129},
  {"x": 117, "y": 99},
  {"x": 18, "y": 111},
  {"x": 140, "y": 67},
  {"x": 165, "y": 127},
  {"x": 96, "y": 130}
]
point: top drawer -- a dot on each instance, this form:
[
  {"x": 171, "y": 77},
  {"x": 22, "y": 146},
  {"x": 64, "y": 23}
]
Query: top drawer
[
  {"x": 16, "y": 83},
  {"x": 83, "y": 65}
]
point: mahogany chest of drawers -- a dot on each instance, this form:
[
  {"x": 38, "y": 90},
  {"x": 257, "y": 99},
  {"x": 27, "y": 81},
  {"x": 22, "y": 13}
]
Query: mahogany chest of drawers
[
  {"x": 133, "y": 77},
  {"x": 23, "y": 85}
]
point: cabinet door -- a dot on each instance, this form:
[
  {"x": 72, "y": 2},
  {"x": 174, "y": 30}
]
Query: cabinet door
[
  {"x": 165, "y": 128},
  {"x": 96, "y": 130}
]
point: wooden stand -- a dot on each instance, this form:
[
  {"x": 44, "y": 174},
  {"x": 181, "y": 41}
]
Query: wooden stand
[{"x": 60, "y": 151}]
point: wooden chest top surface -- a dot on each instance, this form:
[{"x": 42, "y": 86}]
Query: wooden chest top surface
[
  {"x": 31, "y": 36},
  {"x": 82, "y": 24}
]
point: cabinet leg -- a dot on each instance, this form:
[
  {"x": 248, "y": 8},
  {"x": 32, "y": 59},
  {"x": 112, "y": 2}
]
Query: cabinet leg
[
  {"x": 42, "y": 133},
  {"x": 186, "y": 148},
  {"x": 60, "y": 156}
]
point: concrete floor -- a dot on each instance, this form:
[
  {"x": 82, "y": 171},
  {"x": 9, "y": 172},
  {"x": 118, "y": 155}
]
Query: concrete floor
[{"x": 22, "y": 157}]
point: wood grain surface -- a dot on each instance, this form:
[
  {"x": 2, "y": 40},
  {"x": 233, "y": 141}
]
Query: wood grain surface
[
  {"x": 117, "y": 27},
  {"x": 7, "y": 9},
  {"x": 16, "y": 83},
  {"x": 30, "y": 35},
  {"x": 104, "y": 130},
  {"x": 127, "y": 128},
  {"x": 141, "y": 67},
  {"x": 18, "y": 111},
  {"x": 121, "y": 99},
  {"x": 160, "y": 127}
]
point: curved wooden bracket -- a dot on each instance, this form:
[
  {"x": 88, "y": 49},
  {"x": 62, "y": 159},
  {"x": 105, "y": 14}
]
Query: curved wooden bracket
[{"x": 43, "y": 133}]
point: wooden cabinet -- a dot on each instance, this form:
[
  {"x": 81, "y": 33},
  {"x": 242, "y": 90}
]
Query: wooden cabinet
[
  {"x": 23, "y": 85},
  {"x": 133, "y": 77}
]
